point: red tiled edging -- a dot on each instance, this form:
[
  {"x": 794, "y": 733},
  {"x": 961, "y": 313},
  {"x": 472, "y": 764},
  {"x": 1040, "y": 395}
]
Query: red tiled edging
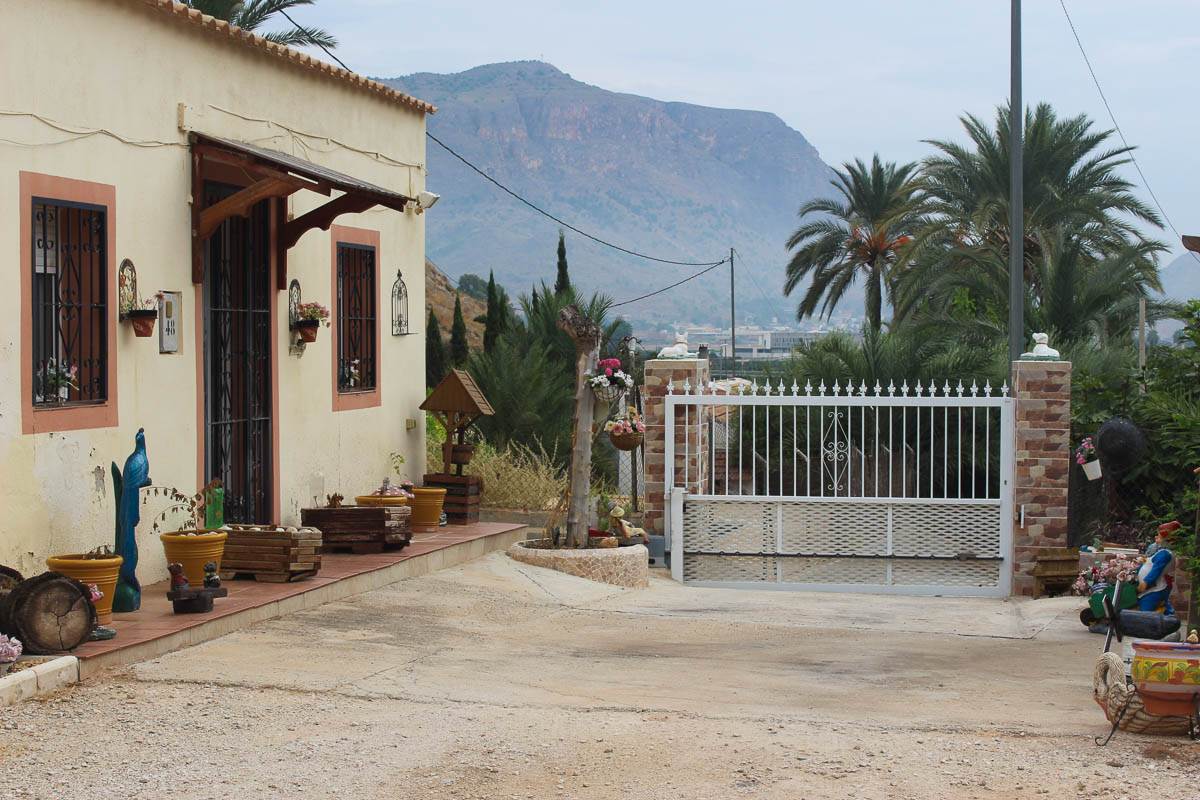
[{"x": 156, "y": 629}]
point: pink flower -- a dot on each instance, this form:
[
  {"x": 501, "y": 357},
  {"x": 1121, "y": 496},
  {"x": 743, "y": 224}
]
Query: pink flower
[
  {"x": 608, "y": 371},
  {"x": 641, "y": 427}
]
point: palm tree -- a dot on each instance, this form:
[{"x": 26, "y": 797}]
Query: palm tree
[
  {"x": 1071, "y": 185},
  {"x": 253, "y": 14},
  {"x": 857, "y": 235}
]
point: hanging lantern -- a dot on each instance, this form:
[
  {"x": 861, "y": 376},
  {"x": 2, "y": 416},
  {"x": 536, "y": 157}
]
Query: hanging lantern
[{"x": 399, "y": 307}]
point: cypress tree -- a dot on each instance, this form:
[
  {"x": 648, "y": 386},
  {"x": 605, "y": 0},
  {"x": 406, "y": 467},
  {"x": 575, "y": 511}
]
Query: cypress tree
[
  {"x": 563, "y": 281},
  {"x": 435, "y": 352},
  {"x": 459, "y": 350},
  {"x": 494, "y": 323}
]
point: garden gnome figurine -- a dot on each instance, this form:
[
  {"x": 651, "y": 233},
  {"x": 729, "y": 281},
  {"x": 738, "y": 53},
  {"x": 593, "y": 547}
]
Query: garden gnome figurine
[
  {"x": 211, "y": 579},
  {"x": 1042, "y": 351},
  {"x": 1153, "y": 587},
  {"x": 178, "y": 578},
  {"x": 127, "y": 487}
]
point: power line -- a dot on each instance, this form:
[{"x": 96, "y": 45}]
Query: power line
[
  {"x": 568, "y": 225},
  {"x": 318, "y": 44},
  {"x": 1120, "y": 133},
  {"x": 673, "y": 285}
]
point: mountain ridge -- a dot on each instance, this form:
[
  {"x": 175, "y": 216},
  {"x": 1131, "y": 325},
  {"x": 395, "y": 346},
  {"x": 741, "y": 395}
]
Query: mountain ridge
[{"x": 671, "y": 179}]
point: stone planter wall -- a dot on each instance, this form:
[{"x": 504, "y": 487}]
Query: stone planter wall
[{"x": 620, "y": 566}]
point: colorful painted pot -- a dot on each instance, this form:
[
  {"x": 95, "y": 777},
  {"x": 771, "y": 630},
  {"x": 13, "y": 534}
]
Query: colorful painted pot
[{"x": 1167, "y": 676}]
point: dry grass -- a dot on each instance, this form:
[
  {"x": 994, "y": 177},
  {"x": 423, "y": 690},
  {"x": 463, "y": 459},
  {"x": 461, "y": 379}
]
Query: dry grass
[{"x": 515, "y": 477}]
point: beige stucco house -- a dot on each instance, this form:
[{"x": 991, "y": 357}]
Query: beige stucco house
[{"x": 138, "y": 137}]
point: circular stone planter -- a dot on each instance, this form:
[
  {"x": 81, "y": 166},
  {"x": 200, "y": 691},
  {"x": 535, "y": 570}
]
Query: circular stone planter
[{"x": 620, "y": 566}]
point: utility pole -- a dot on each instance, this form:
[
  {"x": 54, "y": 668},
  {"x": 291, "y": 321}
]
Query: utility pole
[
  {"x": 732, "y": 323},
  {"x": 1016, "y": 200}
]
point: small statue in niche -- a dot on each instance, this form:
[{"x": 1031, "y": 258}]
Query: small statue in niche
[
  {"x": 211, "y": 579},
  {"x": 178, "y": 579}
]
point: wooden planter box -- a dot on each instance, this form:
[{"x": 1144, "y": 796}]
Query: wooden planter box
[
  {"x": 463, "y": 493},
  {"x": 361, "y": 529},
  {"x": 270, "y": 554}
]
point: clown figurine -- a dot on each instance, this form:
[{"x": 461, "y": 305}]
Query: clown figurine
[{"x": 1153, "y": 586}]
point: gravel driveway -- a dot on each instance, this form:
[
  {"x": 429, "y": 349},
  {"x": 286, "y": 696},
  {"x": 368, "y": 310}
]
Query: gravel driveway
[{"x": 501, "y": 680}]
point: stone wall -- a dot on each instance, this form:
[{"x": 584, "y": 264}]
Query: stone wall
[
  {"x": 660, "y": 373},
  {"x": 1042, "y": 390}
]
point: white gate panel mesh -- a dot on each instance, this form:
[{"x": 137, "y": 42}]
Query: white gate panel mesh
[
  {"x": 946, "y": 530},
  {"x": 832, "y": 528},
  {"x": 729, "y": 526},
  {"x": 869, "y": 571},
  {"x": 730, "y": 569},
  {"x": 946, "y": 573}
]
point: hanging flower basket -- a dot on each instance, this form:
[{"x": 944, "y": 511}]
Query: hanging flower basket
[
  {"x": 307, "y": 328},
  {"x": 1087, "y": 457},
  {"x": 142, "y": 320},
  {"x": 609, "y": 382},
  {"x": 626, "y": 441},
  {"x": 1092, "y": 469}
]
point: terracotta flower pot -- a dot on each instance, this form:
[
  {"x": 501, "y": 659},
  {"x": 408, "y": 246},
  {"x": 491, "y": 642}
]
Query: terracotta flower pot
[
  {"x": 308, "y": 329},
  {"x": 193, "y": 552},
  {"x": 86, "y": 568},
  {"x": 426, "y": 508},
  {"x": 143, "y": 321}
]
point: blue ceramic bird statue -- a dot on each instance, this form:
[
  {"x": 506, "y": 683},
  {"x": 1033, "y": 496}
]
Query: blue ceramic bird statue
[{"x": 127, "y": 488}]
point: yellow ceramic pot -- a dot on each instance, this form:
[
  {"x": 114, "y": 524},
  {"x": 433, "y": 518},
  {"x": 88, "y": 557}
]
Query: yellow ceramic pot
[
  {"x": 194, "y": 551},
  {"x": 86, "y": 568},
  {"x": 426, "y": 509},
  {"x": 376, "y": 500}
]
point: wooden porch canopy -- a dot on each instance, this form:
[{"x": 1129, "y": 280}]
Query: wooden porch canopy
[
  {"x": 274, "y": 174},
  {"x": 1192, "y": 243}
]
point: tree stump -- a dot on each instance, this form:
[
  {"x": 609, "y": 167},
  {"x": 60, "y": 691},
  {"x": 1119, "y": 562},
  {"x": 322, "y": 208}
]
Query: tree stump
[
  {"x": 586, "y": 334},
  {"x": 50, "y": 613}
]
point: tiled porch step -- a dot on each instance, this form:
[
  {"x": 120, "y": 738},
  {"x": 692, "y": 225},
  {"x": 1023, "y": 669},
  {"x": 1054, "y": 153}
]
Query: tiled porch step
[{"x": 155, "y": 629}]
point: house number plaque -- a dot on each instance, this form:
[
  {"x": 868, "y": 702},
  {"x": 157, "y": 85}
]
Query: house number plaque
[{"x": 170, "y": 315}]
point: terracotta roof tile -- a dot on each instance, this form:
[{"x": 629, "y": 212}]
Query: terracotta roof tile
[{"x": 223, "y": 29}]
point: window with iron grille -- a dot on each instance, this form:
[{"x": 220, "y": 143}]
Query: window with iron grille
[
  {"x": 356, "y": 310},
  {"x": 70, "y": 303}
]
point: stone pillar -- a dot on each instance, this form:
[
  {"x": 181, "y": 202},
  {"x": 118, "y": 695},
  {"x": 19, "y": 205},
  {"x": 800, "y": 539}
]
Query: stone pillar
[
  {"x": 659, "y": 373},
  {"x": 1042, "y": 390}
]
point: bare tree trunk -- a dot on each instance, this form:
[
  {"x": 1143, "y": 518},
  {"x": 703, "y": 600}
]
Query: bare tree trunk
[{"x": 586, "y": 335}]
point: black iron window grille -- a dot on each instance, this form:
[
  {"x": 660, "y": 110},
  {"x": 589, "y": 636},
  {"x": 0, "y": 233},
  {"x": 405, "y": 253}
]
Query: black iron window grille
[
  {"x": 70, "y": 303},
  {"x": 356, "y": 310}
]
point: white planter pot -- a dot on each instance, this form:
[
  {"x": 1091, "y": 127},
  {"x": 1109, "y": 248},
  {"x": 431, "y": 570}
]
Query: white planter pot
[{"x": 1092, "y": 469}]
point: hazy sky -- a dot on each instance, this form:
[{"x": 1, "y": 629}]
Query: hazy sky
[{"x": 855, "y": 76}]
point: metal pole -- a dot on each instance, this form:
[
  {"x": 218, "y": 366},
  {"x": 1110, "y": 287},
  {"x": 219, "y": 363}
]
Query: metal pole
[
  {"x": 1142, "y": 343},
  {"x": 732, "y": 323},
  {"x": 1016, "y": 217}
]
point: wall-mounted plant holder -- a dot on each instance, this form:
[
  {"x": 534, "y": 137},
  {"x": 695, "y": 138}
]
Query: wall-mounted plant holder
[
  {"x": 399, "y": 307},
  {"x": 130, "y": 307},
  {"x": 297, "y": 343}
]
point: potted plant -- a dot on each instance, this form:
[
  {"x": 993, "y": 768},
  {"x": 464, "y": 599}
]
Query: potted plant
[
  {"x": 141, "y": 315},
  {"x": 10, "y": 651},
  {"x": 100, "y": 567},
  {"x": 309, "y": 317},
  {"x": 55, "y": 380},
  {"x": 626, "y": 430},
  {"x": 426, "y": 505},
  {"x": 1086, "y": 457},
  {"x": 609, "y": 382},
  {"x": 193, "y": 544}
]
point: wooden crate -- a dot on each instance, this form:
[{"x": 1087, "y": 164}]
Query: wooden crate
[
  {"x": 270, "y": 554},
  {"x": 1054, "y": 567},
  {"x": 361, "y": 529},
  {"x": 463, "y": 493}
]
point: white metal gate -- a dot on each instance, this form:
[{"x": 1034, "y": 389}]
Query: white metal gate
[{"x": 896, "y": 490}]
